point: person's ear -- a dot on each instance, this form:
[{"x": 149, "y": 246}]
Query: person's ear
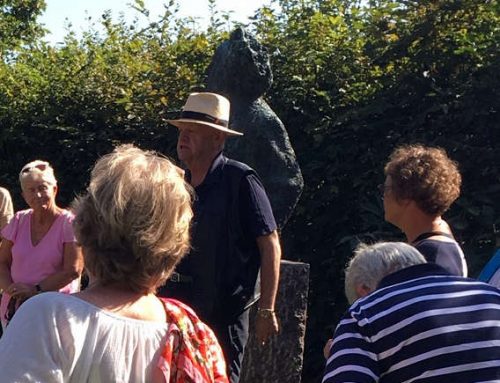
[{"x": 362, "y": 290}]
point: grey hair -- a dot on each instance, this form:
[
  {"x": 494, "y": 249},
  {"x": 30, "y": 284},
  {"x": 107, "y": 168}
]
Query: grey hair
[
  {"x": 38, "y": 168},
  {"x": 371, "y": 263}
]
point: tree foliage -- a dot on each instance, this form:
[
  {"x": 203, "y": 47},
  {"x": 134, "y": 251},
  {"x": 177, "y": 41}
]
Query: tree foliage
[
  {"x": 352, "y": 80},
  {"x": 18, "y": 23}
]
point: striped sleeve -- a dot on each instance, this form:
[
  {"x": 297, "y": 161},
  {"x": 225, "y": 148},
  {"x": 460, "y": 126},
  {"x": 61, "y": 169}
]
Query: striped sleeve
[{"x": 351, "y": 356}]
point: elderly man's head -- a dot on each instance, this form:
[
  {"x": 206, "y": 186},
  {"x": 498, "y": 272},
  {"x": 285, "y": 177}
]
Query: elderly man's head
[{"x": 371, "y": 263}]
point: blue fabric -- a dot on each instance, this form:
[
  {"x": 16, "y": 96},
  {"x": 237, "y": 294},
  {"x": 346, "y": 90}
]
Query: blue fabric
[
  {"x": 491, "y": 267},
  {"x": 446, "y": 254}
]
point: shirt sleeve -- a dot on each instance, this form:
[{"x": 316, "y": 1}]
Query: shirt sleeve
[
  {"x": 9, "y": 232},
  {"x": 6, "y": 208},
  {"x": 351, "y": 356},
  {"x": 255, "y": 209},
  {"x": 68, "y": 232},
  {"x": 30, "y": 348}
]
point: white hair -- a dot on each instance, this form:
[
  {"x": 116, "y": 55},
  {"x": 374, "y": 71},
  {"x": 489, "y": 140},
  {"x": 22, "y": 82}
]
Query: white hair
[{"x": 371, "y": 263}]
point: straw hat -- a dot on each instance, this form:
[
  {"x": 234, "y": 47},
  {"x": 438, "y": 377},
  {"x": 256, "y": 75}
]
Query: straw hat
[{"x": 206, "y": 109}]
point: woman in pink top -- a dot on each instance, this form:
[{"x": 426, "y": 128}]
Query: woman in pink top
[{"x": 39, "y": 251}]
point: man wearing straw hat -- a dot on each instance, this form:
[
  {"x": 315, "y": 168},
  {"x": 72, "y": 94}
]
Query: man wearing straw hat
[{"x": 234, "y": 233}]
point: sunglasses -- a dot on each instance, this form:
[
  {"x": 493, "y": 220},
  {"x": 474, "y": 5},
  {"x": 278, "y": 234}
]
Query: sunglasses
[{"x": 41, "y": 167}]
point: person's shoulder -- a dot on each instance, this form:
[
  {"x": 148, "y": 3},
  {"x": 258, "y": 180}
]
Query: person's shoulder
[
  {"x": 239, "y": 171},
  {"x": 46, "y": 303},
  {"x": 46, "y": 314},
  {"x": 4, "y": 193},
  {"x": 51, "y": 298},
  {"x": 438, "y": 246},
  {"x": 237, "y": 166},
  {"x": 67, "y": 215},
  {"x": 23, "y": 213}
]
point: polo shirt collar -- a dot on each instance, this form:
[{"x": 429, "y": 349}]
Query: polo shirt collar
[
  {"x": 214, "y": 172},
  {"x": 412, "y": 272}
]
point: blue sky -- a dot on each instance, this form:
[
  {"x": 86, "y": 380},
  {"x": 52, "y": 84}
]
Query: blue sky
[{"x": 77, "y": 12}]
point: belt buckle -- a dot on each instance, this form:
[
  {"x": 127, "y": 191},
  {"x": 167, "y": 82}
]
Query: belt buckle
[{"x": 175, "y": 277}]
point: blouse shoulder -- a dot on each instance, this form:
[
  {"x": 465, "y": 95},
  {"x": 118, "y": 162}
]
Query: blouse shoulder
[
  {"x": 68, "y": 215},
  {"x": 23, "y": 213}
]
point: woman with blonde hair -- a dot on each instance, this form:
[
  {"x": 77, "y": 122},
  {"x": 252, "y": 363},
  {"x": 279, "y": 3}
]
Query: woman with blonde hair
[
  {"x": 421, "y": 184},
  {"x": 38, "y": 251},
  {"x": 133, "y": 225}
]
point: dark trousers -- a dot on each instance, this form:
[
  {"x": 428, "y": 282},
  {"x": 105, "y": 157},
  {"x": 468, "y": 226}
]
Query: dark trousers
[{"x": 233, "y": 338}]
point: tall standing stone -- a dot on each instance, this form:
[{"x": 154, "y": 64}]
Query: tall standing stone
[{"x": 280, "y": 361}]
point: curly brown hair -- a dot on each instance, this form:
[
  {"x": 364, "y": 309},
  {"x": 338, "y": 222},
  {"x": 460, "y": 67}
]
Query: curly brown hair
[
  {"x": 133, "y": 223},
  {"x": 425, "y": 175}
]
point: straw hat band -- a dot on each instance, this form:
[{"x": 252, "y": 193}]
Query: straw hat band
[
  {"x": 204, "y": 117},
  {"x": 209, "y": 110}
]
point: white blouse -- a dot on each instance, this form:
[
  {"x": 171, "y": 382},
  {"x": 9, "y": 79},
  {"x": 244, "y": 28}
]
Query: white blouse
[{"x": 55, "y": 337}]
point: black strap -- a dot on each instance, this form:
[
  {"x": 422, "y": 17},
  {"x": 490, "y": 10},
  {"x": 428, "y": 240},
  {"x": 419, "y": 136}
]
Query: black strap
[
  {"x": 204, "y": 117},
  {"x": 432, "y": 234}
]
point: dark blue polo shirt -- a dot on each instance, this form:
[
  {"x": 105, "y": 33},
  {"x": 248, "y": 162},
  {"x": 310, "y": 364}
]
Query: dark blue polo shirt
[
  {"x": 254, "y": 206},
  {"x": 224, "y": 260}
]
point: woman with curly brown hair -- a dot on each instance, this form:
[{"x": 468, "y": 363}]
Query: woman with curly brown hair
[{"x": 421, "y": 183}]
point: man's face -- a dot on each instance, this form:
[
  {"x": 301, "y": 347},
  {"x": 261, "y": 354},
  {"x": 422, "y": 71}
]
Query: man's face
[{"x": 197, "y": 144}]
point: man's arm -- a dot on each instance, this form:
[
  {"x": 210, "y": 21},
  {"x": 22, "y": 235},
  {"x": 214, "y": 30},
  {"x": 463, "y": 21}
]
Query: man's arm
[{"x": 270, "y": 256}]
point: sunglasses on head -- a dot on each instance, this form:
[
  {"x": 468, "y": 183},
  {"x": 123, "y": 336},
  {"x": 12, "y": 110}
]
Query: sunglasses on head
[{"x": 41, "y": 167}]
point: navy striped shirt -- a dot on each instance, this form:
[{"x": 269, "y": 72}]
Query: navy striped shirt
[{"x": 420, "y": 325}]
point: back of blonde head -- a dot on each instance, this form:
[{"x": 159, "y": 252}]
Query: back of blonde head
[{"x": 134, "y": 222}]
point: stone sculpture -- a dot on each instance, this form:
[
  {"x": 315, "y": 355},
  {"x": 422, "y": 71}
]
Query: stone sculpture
[{"x": 240, "y": 70}]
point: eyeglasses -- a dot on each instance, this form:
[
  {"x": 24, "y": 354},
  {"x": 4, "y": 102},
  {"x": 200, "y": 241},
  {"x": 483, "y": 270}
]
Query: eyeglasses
[{"x": 41, "y": 166}]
